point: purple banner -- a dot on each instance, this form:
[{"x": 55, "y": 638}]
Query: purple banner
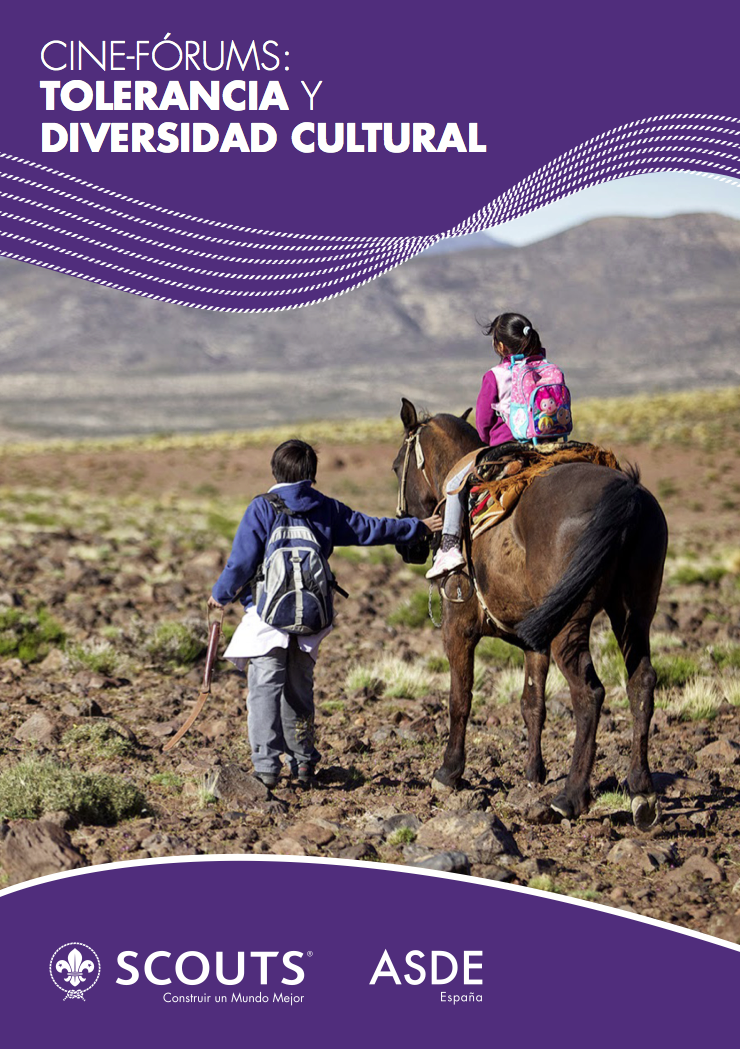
[
  {"x": 250, "y": 160},
  {"x": 339, "y": 953}
]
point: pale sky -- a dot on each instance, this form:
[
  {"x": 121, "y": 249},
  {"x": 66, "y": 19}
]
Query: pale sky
[{"x": 657, "y": 195}]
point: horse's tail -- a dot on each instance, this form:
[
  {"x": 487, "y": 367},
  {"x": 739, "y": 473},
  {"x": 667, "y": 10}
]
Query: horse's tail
[{"x": 618, "y": 511}]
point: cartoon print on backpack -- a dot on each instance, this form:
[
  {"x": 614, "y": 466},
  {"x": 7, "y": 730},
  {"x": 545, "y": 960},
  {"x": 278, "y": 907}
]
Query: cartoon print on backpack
[{"x": 547, "y": 406}]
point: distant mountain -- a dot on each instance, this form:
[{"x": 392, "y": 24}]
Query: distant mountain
[
  {"x": 623, "y": 305},
  {"x": 470, "y": 240}
]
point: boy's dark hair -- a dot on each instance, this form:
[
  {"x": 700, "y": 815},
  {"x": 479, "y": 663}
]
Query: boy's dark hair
[
  {"x": 509, "y": 330},
  {"x": 293, "y": 461}
]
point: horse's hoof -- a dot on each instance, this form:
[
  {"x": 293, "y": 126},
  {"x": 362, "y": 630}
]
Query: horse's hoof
[
  {"x": 563, "y": 807},
  {"x": 645, "y": 811},
  {"x": 438, "y": 787}
]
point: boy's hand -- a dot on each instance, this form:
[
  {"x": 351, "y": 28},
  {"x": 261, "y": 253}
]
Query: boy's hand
[
  {"x": 433, "y": 523},
  {"x": 213, "y": 603}
]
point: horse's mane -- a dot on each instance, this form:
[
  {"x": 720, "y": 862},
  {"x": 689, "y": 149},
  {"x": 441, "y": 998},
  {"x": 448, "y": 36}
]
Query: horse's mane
[{"x": 454, "y": 426}]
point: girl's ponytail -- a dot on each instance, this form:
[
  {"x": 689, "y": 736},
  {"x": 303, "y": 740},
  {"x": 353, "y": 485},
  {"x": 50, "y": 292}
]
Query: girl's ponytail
[{"x": 516, "y": 333}]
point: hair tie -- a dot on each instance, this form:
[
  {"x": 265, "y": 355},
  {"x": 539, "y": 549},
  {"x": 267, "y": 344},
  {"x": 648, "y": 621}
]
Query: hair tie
[{"x": 526, "y": 330}]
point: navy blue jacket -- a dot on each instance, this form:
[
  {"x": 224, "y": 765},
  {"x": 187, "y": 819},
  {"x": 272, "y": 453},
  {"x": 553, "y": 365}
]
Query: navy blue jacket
[{"x": 333, "y": 523}]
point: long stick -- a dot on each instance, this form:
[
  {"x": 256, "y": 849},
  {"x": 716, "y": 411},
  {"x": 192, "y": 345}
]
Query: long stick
[{"x": 214, "y": 635}]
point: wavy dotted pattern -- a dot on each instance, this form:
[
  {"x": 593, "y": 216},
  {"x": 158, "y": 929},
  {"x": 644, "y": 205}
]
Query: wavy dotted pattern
[{"x": 64, "y": 223}]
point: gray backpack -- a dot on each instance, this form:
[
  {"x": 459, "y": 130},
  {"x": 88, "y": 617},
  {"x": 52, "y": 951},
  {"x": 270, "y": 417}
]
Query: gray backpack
[{"x": 294, "y": 586}]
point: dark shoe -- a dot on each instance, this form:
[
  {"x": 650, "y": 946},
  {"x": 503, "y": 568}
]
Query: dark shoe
[
  {"x": 269, "y": 779},
  {"x": 306, "y": 776}
]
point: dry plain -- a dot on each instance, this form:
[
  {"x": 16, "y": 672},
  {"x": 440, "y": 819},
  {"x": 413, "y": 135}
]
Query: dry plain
[{"x": 109, "y": 553}]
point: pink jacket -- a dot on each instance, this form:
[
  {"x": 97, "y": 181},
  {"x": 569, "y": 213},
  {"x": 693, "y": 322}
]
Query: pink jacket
[{"x": 491, "y": 427}]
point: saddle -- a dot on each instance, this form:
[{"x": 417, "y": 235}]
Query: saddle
[{"x": 501, "y": 474}]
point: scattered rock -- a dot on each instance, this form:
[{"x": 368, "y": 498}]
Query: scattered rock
[
  {"x": 700, "y": 868},
  {"x": 534, "y": 866},
  {"x": 678, "y": 786},
  {"x": 727, "y": 928},
  {"x": 420, "y": 729},
  {"x": 492, "y": 872},
  {"x": 56, "y": 660},
  {"x": 704, "y": 819},
  {"x": 32, "y": 849},
  {"x": 313, "y": 833},
  {"x": 363, "y": 851},
  {"x": 61, "y": 819},
  {"x": 630, "y": 852},
  {"x": 10, "y": 670},
  {"x": 481, "y": 836},
  {"x": 449, "y": 862},
  {"x": 159, "y": 844},
  {"x": 216, "y": 729},
  {"x": 162, "y": 729},
  {"x": 39, "y": 728},
  {"x": 82, "y": 707},
  {"x": 287, "y": 847},
  {"x": 236, "y": 787},
  {"x": 383, "y": 734},
  {"x": 723, "y": 751},
  {"x": 466, "y": 801},
  {"x": 526, "y": 801},
  {"x": 402, "y": 821}
]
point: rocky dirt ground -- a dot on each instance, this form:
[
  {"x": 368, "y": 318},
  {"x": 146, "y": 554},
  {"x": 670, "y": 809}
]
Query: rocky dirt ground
[{"x": 107, "y": 561}]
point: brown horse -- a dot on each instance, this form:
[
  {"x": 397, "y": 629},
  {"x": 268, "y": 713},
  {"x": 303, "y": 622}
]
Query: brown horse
[{"x": 583, "y": 538}]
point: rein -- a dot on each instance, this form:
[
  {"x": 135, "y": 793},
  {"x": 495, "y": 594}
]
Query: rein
[{"x": 413, "y": 441}]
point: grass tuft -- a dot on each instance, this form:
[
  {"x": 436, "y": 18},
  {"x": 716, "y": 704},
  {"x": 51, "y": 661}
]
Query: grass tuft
[
  {"x": 414, "y": 611},
  {"x": 177, "y": 643},
  {"x": 33, "y": 787},
  {"x": 28, "y": 637},
  {"x": 392, "y": 678},
  {"x": 98, "y": 656},
  {"x": 700, "y": 700},
  {"x": 402, "y": 836},
  {"x": 98, "y": 739},
  {"x": 674, "y": 671}
]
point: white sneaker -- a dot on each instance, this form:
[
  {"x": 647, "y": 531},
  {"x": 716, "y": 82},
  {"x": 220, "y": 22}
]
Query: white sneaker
[{"x": 446, "y": 562}]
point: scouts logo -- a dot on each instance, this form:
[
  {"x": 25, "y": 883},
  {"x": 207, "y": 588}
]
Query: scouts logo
[{"x": 74, "y": 968}]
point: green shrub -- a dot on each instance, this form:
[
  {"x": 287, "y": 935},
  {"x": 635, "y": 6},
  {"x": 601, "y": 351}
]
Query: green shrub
[
  {"x": 98, "y": 739},
  {"x": 29, "y": 637},
  {"x": 726, "y": 656},
  {"x": 688, "y": 575},
  {"x": 414, "y": 611},
  {"x": 332, "y": 706},
  {"x": 98, "y": 656},
  {"x": 402, "y": 836},
  {"x": 166, "y": 779},
  {"x": 33, "y": 787},
  {"x": 178, "y": 643},
  {"x": 494, "y": 650},
  {"x": 225, "y": 527},
  {"x": 674, "y": 671}
]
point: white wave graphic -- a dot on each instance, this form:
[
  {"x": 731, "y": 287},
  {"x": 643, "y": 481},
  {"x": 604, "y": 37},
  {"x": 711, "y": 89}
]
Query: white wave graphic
[{"x": 708, "y": 145}]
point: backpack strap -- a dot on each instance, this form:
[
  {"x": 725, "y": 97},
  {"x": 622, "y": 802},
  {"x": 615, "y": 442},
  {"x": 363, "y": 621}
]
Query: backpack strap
[
  {"x": 281, "y": 507},
  {"x": 278, "y": 503}
]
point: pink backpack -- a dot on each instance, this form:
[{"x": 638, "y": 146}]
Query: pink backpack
[{"x": 540, "y": 400}]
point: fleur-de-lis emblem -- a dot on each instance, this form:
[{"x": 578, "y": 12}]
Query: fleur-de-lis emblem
[{"x": 75, "y": 968}]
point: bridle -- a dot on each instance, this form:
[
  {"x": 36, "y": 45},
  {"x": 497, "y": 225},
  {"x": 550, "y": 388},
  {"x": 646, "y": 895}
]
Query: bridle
[{"x": 413, "y": 443}]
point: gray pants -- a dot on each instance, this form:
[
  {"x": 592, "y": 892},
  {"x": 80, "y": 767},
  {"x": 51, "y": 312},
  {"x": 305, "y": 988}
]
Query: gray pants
[{"x": 280, "y": 710}]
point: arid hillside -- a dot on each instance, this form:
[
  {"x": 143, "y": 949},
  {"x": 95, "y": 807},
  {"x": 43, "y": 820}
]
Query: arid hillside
[{"x": 623, "y": 304}]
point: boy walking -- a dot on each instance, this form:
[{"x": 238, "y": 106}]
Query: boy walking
[{"x": 280, "y": 706}]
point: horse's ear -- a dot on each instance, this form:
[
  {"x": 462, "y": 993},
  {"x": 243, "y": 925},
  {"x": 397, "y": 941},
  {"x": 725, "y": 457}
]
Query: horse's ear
[
  {"x": 409, "y": 418},
  {"x": 466, "y": 413}
]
